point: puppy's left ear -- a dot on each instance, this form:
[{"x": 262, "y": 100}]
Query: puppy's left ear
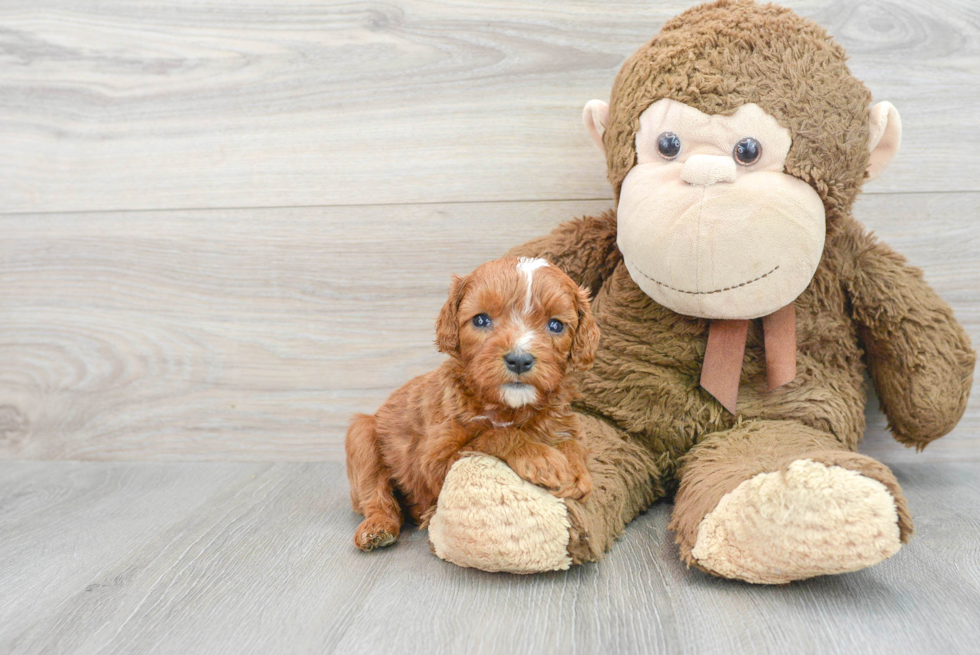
[
  {"x": 586, "y": 340},
  {"x": 447, "y": 324}
]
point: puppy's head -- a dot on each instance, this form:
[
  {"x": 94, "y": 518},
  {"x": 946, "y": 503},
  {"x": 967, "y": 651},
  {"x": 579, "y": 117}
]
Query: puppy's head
[{"x": 517, "y": 327}]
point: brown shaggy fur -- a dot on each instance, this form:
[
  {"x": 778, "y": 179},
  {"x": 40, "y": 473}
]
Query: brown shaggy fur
[
  {"x": 648, "y": 424},
  {"x": 401, "y": 454}
]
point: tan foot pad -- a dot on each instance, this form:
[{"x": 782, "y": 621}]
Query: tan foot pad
[
  {"x": 488, "y": 518},
  {"x": 811, "y": 520}
]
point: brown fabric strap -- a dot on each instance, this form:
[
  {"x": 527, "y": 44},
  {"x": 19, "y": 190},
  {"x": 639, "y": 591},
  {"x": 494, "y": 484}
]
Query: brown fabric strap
[
  {"x": 780, "y": 332},
  {"x": 726, "y": 349},
  {"x": 723, "y": 360}
]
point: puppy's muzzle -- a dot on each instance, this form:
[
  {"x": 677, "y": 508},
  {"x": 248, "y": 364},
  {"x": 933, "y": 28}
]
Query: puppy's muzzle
[{"x": 518, "y": 362}]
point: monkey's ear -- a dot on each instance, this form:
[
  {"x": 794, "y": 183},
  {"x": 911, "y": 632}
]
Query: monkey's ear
[
  {"x": 447, "y": 324},
  {"x": 884, "y": 138},
  {"x": 586, "y": 340},
  {"x": 596, "y": 116}
]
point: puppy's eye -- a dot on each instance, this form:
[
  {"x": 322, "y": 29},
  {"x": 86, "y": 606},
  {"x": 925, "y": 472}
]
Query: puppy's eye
[
  {"x": 747, "y": 151},
  {"x": 555, "y": 326},
  {"x": 481, "y": 321},
  {"x": 668, "y": 145}
]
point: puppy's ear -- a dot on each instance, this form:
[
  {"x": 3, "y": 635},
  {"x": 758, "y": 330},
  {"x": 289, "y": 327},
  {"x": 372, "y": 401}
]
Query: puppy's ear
[
  {"x": 447, "y": 325},
  {"x": 586, "y": 340}
]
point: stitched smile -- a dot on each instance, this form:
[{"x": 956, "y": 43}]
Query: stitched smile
[{"x": 704, "y": 293}]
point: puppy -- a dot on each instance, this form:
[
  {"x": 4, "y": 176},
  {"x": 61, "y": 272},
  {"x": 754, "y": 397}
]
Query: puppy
[{"x": 516, "y": 331}]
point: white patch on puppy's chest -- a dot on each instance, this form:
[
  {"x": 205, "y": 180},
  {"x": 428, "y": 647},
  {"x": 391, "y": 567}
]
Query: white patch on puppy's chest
[
  {"x": 518, "y": 395},
  {"x": 527, "y": 266}
]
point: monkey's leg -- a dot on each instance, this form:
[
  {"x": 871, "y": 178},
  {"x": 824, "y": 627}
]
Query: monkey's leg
[
  {"x": 370, "y": 487},
  {"x": 776, "y": 501},
  {"x": 491, "y": 519}
]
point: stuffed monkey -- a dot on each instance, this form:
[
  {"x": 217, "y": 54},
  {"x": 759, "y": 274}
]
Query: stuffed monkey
[{"x": 740, "y": 305}]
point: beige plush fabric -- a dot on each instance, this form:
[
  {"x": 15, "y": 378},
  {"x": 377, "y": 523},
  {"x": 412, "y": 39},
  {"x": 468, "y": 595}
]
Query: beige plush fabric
[
  {"x": 491, "y": 519},
  {"x": 594, "y": 117},
  {"x": 705, "y": 170},
  {"x": 809, "y": 520},
  {"x": 885, "y": 137},
  {"x": 706, "y": 237}
]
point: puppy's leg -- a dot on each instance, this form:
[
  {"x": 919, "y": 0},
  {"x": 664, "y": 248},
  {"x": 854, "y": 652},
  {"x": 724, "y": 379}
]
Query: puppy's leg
[
  {"x": 539, "y": 464},
  {"x": 579, "y": 484},
  {"x": 360, "y": 438},
  {"x": 535, "y": 462},
  {"x": 371, "y": 491}
]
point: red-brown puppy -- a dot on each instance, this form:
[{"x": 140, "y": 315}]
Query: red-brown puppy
[{"x": 515, "y": 330}]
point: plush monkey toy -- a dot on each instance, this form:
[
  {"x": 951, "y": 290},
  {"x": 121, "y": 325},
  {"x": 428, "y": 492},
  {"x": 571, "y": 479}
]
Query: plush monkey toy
[{"x": 740, "y": 304}]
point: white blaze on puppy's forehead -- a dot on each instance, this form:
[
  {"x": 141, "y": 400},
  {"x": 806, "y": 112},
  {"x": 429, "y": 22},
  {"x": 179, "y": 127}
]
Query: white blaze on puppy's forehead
[
  {"x": 524, "y": 341},
  {"x": 527, "y": 266},
  {"x": 526, "y": 335}
]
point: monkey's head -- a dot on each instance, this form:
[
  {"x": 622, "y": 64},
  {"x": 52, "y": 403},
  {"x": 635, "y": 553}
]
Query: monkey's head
[{"x": 735, "y": 141}]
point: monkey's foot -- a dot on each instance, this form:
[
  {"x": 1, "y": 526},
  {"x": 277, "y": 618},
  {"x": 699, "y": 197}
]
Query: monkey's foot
[
  {"x": 807, "y": 520},
  {"x": 489, "y": 518}
]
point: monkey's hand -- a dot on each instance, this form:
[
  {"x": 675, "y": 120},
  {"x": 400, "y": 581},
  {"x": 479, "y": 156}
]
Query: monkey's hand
[
  {"x": 584, "y": 248},
  {"x": 491, "y": 519},
  {"x": 919, "y": 356}
]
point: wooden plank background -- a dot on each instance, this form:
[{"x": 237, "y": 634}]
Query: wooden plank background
[{"x": 226, "y": 226}]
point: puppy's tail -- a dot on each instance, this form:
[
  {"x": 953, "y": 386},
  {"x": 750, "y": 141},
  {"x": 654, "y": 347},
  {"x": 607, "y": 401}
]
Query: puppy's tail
[{"x": 361, "y": 446}]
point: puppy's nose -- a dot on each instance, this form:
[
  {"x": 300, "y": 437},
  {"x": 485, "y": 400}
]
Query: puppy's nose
[
  {"x": 519, "y": 362},
  {"x": 704, "y": 170}
]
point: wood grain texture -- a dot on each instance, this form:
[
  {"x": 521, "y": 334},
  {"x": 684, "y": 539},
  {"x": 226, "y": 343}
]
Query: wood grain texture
[
  {"x": 253, "y": 335},
  {"x": 258, "y": 558},
  {"x": 186, "y": 103},
  {"x": 227, "y": 334}
]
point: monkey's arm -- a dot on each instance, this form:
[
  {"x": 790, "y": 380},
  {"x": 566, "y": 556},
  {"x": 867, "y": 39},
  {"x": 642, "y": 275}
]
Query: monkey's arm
[
  {"x": 919, "y": 356},
  {"x": 584, "y": 248}
]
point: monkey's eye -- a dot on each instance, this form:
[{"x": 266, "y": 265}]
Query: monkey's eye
[
  {"x": 555, "y": 326},
  {"x": 668, "y": 145},
  {"x": 747, "y": 151},
  {"x": 481, "y": 321}
]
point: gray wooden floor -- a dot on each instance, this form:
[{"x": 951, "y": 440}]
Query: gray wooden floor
[
  {"x": 129, "y": 557},
  {"x": 224, "y": 227}
]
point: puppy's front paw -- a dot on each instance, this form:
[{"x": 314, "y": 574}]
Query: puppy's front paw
[
  {"x": 578, "y": 488},
  {"x": 375, "y": 533},
  {"x": 578, "y": 483},
  {"x": 541, "y": 465}
]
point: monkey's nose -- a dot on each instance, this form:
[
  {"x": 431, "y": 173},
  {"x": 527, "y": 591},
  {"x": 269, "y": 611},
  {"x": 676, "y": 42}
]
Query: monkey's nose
[
  {"x": 703, "y": 170},
  {"x": 519, "y": 362}
]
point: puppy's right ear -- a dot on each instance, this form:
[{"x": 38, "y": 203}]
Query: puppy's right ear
[
  {"x": 447, "y": 325},
  {"x": 586, "y": 341}
]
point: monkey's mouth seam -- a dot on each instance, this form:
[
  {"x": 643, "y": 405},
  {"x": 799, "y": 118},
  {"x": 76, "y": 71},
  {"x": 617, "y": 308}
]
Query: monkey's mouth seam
[{"x": 704, "y": 293}]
